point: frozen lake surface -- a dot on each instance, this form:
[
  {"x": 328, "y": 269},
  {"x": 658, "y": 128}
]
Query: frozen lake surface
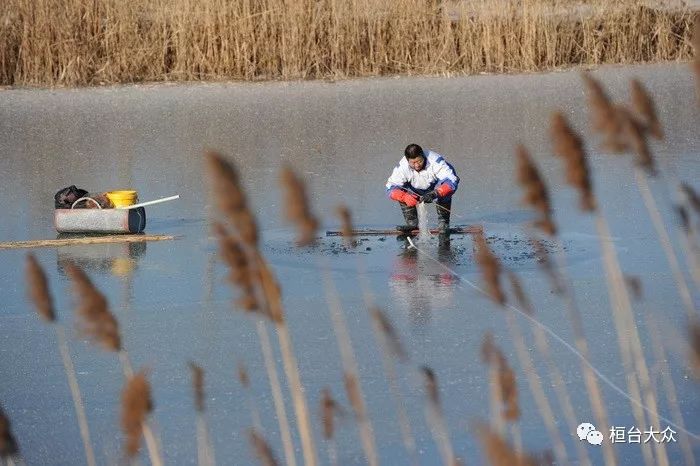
[{"x": 174, "y": 304}]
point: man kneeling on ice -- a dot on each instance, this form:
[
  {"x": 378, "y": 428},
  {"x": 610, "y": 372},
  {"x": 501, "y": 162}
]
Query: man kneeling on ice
[{"x": 423, "y": 177}]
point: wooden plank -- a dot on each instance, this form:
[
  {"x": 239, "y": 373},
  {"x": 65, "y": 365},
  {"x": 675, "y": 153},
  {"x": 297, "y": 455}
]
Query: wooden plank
[
  {"x": 458, "y": 230},
  {"x": 59, "y": 242}
]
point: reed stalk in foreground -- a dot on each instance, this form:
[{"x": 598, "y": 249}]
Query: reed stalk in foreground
[
  {"x": 392, "y": 350},
  {"x": 205, "y": 450},
  {"x": 531, "y": 373},
  {"x": 273, "y": 298},
  {"x": 242, "y": 275},
  {"x": 504, "y": 393},
  {"x": 629, "y": 131},
  {"x": 568, "y": 145},
  {"x": 536, "y": 195},
  {"x": 556, "y": 377},
  {"x": 632, "y": 135},
  {"x": 350, "y": 371},
  {"x": 502, "y": 378},
  {"x": 669, "y": 387},
  {"x": 97, "y": 322},
  {"x": 43, "y": 301},
  {"x": 436, "y": 419},
  {"x": 8, "y": 444},
  {"x": 645, "y": 107},
  {"x": 231, "y": 201},
  {"x": 386, "y": 337}
]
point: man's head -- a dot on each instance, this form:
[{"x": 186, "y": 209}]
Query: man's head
[{"x": 415, "y": 156}]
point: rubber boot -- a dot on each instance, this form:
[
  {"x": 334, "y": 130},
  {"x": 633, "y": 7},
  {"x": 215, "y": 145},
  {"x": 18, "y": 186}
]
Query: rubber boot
[
  {"x": 410, "y": 214},
  {"x": 443, "y": 214}
]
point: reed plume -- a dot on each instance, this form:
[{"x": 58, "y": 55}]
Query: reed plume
[
  {"x": 431, "y": 386},
  {"x": 490, "y": 269},
  {"x": 297, "y": 208},
  {"x": 346, "y": 227},
  {"x": 389, "y": 332},
  {"x": 8, "y": 444},
  {"x": 644, "y": 107},
  {"x": 620, "y": 129},
  {"x": 271, "y": 291},
  {"x": 536, "y": 193},
  {"x": 520, "y": 296},
  {"x": 693, "y": 197},
  {"x": 243, "y": 376},
  {"x": 694, "y": 337},
  {"x": 500, "y": 453},
  {"x": 136, "y": 405},
  {"x": 547, "y": 266},
  {"x": 262, "y": 449},
  {"x": 96, "y": 320},
  {"x": 569, "y": 146},
  {"x": 240, "y": 273},
  {"x": 39, "y": 289},
  {"x": 505, "y": 378},
  {"x": 329, "y": 410},
  {"x": 604, "y": 118},
  {"x": 683, "y": 218},
  {"x": 197, "y": 386},
  {"x": 230, "y": 198},
  {"x": 635, "y": 286},
  {"x": 635, "y": 140}
]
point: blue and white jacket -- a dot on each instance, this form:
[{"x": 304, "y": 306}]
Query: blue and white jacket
[{"x": 435, "y": 172}]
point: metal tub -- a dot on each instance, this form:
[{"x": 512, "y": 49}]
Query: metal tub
[{"x": 100, "y": 220}]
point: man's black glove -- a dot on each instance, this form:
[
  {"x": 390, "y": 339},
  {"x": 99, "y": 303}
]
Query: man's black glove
[{"x": 429, "y": 197}]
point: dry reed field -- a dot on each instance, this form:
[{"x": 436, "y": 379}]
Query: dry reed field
[{"x": 91, "y": 42}]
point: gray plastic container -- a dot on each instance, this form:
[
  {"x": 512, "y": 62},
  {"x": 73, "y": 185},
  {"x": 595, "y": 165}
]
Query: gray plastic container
[{"x": 100, "y": 220}]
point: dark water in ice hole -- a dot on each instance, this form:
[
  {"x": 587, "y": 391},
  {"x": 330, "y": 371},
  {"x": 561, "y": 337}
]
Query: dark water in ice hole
[{"x": 174, "y": 305}]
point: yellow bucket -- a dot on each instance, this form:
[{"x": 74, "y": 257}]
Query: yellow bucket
[{"x": 123, "y": 198}]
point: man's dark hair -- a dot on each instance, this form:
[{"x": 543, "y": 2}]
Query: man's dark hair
[{"x": 413, "y": 150}]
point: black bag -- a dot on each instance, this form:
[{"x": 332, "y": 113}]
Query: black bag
[{"x": 65, "y": 198}]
